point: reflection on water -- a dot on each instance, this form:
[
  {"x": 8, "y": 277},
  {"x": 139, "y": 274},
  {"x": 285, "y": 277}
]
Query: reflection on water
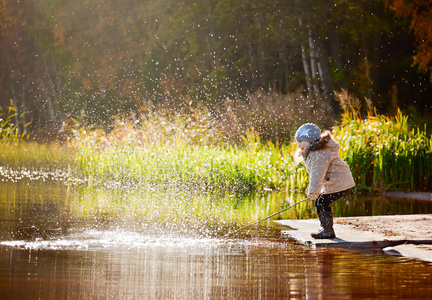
[
  {"x": 195, "y": 269},
  {"x": 60, "y": 241}
]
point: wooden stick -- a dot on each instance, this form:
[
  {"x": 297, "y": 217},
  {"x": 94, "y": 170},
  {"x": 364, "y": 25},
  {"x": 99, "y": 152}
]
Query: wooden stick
[{"x": 230, "y": 233}]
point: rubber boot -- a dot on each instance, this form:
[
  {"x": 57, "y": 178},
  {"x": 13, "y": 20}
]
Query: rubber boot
[{"x": 326, "y": 232}]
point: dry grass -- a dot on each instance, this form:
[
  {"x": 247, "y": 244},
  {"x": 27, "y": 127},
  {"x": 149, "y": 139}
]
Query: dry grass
[{"x": 273, "y": 116}]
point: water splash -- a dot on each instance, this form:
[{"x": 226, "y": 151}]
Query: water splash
[{"x": 106, "y": 240}]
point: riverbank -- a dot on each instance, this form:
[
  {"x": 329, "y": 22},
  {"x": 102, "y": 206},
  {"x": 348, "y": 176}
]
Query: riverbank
[
  {"x": 404, "y": 235},
  {"x": 414, "y": 230},
  {"x": 408, "y": 195}
]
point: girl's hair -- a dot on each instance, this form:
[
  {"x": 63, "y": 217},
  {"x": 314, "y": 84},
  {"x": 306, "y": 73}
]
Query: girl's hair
[
  {"x": 322, "y": 143},
  {"x": 325, "y": 137}
]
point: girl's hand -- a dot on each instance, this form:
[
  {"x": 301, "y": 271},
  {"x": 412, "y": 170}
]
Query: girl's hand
[{"x": 313, "y": 196}]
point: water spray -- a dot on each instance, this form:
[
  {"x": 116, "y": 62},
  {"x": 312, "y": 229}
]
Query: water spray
[{"x": 244, "y": 227}]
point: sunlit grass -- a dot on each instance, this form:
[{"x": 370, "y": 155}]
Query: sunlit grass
[
  {"x": 191, "y": 151},
  {"x": 242, "y": 169},
  {"x": 180, "y": 173},
  {"x": 35, "y": 155},
  {"x": 136, "y": 153},
  {"x": 17, "y": 152},
  {"x": 385, "y": 152}
]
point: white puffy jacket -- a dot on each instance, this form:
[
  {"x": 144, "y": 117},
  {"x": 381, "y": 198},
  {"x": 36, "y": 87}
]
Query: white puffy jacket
[{"x": 328, "y": 172}]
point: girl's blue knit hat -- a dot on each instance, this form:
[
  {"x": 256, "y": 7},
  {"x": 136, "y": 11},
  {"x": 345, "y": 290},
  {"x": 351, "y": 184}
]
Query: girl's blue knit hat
[{"x": 308, "y": 132}]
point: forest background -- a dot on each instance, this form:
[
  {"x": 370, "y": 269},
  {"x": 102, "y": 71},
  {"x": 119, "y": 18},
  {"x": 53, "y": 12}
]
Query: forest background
[{"x": 266, "y": 65}]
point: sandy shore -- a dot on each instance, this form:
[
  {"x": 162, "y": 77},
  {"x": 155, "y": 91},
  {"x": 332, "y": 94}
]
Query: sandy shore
[
  {"x": 404, "y": 235},
  {"x": 404, "y": 227},
  {"x": 407, "y": 227}
]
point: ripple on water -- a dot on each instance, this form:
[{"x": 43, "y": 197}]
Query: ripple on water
[{"x": 97, "y": 240}]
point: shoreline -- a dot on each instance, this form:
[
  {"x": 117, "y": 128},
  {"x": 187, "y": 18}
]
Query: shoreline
[
  {"x": 408, "y": 195},
  {"x": 407, "y": 236}
]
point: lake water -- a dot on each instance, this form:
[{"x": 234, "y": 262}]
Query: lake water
[{"x": 63, "y": 240}]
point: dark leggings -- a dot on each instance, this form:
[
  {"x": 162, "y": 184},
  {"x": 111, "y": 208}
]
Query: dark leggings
[{"x": 322, "y": 203}]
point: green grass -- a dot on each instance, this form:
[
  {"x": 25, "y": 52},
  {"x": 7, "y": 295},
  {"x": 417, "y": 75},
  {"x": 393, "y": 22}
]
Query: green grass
[
  {"x": 255, "y": 166},
  {"x": 182, "y": 169},
  {"x": 37, "y": 156},
  {"x": 186, "y": 179},
  {"x": 17, "y": 152},
  {"x": 382, "y": 152},
  {"x": 386, "y": 152}
]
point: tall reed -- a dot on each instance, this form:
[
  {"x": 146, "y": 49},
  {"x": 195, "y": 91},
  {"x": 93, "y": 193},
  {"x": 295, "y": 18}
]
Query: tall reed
[
  {"x": 191, "y": 148},
  {"x": 10, "y": 131},
  {"x": 17, "y": 152},
  {"x": 385, "y": 152},
  {"x": 35, "y": 155},
  {"x": 254, "y": 166},
  {"x": 174, "y": 150},
  {"x": 274, "y": 116}
]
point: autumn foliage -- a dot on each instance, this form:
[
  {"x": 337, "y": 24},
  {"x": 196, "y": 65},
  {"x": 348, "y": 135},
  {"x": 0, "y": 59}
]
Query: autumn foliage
[
  {"x": 104, "y": 58},
  {"x": 419, "y": 14}
]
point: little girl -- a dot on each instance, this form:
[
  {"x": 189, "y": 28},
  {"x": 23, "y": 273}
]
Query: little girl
[{"x": 330, "y": 176}]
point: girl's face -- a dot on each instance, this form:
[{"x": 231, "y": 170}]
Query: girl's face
[{"x": 302, "y": 145}]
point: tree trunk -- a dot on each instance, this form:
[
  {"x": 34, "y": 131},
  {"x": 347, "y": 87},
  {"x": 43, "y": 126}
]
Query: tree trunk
[
  {"x": 335, "y": 47},
  {"x": 314, "y": 67},
  {"x": 305, "y": 65},
  {"x": 323, "y": 67},
  {"x": 52, "y": 87}
]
